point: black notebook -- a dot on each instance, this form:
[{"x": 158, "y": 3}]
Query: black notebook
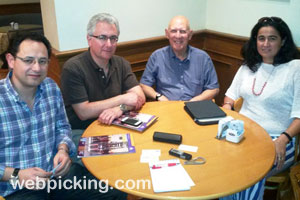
[{"x": 204, "y": 112}]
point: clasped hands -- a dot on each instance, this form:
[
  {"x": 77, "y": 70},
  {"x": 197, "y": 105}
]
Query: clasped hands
[
  {"x": 131, "y": 99},
  {"x": 35, "y": 178}
]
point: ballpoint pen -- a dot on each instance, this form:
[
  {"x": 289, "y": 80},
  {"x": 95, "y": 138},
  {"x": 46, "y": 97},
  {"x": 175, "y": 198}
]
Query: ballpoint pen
[{"x": 159, "y": 166}]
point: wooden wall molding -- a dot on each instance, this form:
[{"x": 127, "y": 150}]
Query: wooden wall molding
[
  {"x": 224, "y": 44},
  {"x": 10, "y": 9},
  {"x": 224, "y": 50},
  {"x": 3, "y": 73},
  {"x": 136, "y": 52}
]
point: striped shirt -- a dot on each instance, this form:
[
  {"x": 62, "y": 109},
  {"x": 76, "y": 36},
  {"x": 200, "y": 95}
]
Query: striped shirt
[{"x": 29, "y": 138}]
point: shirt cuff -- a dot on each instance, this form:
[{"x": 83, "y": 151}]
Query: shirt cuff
[{"x": 2, "y": 170}]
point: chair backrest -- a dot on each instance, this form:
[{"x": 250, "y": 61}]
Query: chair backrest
[{"x": 238, "y": 104}]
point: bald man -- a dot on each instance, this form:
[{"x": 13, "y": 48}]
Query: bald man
[{"x": 179, "y": 71}]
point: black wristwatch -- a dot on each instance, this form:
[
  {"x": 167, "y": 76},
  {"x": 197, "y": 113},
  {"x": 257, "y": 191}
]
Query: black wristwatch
[
  {"x": 157, "y": 96},
  {"x": 14, "y": 177}
]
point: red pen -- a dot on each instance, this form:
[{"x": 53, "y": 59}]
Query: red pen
[{"x": 164, "y": 165}]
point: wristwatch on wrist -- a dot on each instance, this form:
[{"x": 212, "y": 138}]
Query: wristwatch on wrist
[
  {"x": 157, "y": 96},
  {"x": 14, "y": 177},
  {"x": 124, "y": 108}
]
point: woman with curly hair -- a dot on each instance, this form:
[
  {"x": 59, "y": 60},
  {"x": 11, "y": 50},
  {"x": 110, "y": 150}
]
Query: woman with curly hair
[{"x": 269, "y": 83}]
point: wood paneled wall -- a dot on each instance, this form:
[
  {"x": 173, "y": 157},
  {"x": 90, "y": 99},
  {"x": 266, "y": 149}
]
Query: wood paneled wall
[
  {"x": 224, "y": 50},
  {"x": 10, "y": 9},
  {"x": 3, "y": 73}
]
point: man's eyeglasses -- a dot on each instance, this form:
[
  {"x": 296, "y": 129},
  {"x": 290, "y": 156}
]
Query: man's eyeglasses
[
  {"x": 29, "y": 60},
  {"x": 103, "y": 38},
  {"x": 270, "y": 19}
]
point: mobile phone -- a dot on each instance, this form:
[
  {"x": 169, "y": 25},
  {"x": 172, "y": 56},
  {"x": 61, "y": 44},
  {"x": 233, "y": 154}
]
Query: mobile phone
[
  {"x": 53, "y": 170},
  {"x": 131, "y": 121}
]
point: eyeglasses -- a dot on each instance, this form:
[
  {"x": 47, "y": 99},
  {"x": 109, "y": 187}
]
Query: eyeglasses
[
  {"x": 270, "y": 19},
  {"x": 103, "y": 38},
  {"x": 29, "y": 60}
]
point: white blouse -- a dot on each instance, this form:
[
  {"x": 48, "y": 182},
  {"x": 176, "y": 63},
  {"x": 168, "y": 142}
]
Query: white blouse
[{"x": 279, "y": 102}]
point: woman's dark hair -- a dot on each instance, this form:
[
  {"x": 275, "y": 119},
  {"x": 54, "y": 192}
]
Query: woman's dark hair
[
  {"x": 286, "y": 53},
  {"x": 13, "y": 48}
]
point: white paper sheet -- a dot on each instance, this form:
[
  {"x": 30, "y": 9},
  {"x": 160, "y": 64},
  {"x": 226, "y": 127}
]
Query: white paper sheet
[
  {"x": 190, "y": 148},
  {"x": 169, "y": 178}
]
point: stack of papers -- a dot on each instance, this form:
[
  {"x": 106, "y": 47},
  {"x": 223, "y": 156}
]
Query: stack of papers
[{"x": 169, "y": 175}]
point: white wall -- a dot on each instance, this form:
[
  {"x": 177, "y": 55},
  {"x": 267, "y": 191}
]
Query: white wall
[
  {"x": 49, "y": 22},
  {"x": 65, "y": 20},
  {"x": 138, "y": 19},
  {"x": 239, "y": 16}
]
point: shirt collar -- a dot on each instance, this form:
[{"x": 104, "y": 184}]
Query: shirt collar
[
  {"x": 189, "y": 50},
  {"x": 11, "y": 90},
  {"x": 93, "y": 63},
  {"x": 96, "y": 67}
]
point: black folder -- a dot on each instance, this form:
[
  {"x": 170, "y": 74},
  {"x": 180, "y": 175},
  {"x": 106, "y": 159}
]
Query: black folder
[{"x": 204, "y": 112}]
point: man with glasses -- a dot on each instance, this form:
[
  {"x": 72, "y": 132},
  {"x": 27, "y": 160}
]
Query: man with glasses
[
  {"x": 35, "y": 134},
  {"x": 97, "y": 83},
  {"x": 179, "y": 71}
]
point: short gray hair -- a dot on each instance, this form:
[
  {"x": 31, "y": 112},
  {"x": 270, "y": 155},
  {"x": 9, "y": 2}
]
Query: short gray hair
[{"x": 102, "y": 17}]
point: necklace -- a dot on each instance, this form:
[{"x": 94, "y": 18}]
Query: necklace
[{"x": 263, "y": 87}]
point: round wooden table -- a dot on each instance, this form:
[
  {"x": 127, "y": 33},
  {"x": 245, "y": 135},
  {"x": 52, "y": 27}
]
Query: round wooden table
[{"x": 229, "y": 167}]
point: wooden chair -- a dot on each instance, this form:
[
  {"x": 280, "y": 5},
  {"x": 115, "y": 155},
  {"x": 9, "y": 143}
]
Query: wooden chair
[
  {"x": 282, "y": 179},
  {"x": 295, "y": 178},
  {"x": 238, "y": 104}
]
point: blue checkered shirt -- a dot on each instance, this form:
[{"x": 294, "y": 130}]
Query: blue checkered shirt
[{"x": 29, "y": 138}]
